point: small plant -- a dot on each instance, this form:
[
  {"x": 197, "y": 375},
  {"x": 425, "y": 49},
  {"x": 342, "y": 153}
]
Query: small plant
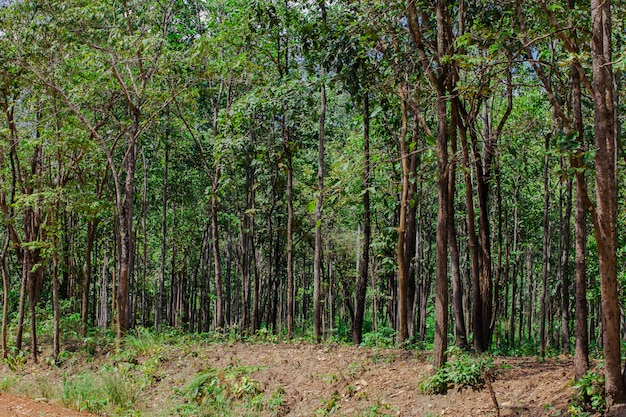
[
  {"x": 144, "y": 342},
  {"x": 6, "y": 383},
  {"x": 120, "y": 388},
  {"x": 329, "y": 378},
  {"x": 462, "y": 370},
  {"x": 330, "y": 405},
  {"x": 384, "y": 338},
  {"x": 45, "y": 388},
  {"x": 16, "y": 361},
  {"x": 221, "y": 391},
  {"x": 377, "y": 409},
  {"x": 590, "y": 395},
  {"x": 83, "y": 393}
]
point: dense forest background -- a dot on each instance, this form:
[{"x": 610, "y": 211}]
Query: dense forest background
[{"x": 427, "y": 171}]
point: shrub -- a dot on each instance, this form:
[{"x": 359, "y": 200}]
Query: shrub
[
  {"x": 590, "y": 396},
  {"x": 461, "y": 370}
]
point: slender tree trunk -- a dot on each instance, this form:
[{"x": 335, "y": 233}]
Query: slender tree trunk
[
  {"x": 546, "y": 251},
  {"x": 126, "y": 232},
  {"x": 229, "y": 260},
  {"x": 22, "y": 305},
  {"x": 217, "y": 265},
  {"x": 317, "y": 258},
  {"x": 477, "y": 310},
  {"x": 581, "y": 356},
  {"x": 161, "y": 304},
  {"x": 56, "y": 348},
  {"x": 5, "y": 295},
  {"x": 457, "y": 287},
  {"x": 32, "y": 303},
  {"x": 606, "y": 195},
  {"x": 91, "y": 236},
  {"x": 403, "y": 269},
  {"x": 361, "y": 283},
  {"x": 565, "y": 254},
  {"x": 144, "y": 216},
  {"x": 441, "y": 284}
]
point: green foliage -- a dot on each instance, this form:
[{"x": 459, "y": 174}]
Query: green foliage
[
  {"x": 121, "y": 389},
  {"x": 16, "y": 360},
  {"x": 329, "y": 406},
  {"x": 84, "y": 393},
  {"x": 384, "y": 338},
  {"x": 6, "y": 383},
  {"x": 590, "y": 395},
  {"x": 219, "y": 392},
  {"x": 462, "y": 370},
  {"x": 144, "y": 342}
]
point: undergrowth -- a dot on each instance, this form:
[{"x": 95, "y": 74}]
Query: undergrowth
[
  {"x": 462, "y": 370},
  {"x": 226, "y": 392},
  {"x": 589, "y": 398}
]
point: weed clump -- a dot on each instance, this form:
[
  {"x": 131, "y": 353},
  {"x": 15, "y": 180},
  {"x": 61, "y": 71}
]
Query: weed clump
[
  {"x": 462, "y": 370},
  {"x": 590, "y": 396}
]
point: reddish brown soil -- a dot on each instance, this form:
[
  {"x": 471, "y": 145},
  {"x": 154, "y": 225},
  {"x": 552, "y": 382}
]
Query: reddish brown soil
[
  {"x": 359, "y": 379},
  {"x": 13, "y": 406}
]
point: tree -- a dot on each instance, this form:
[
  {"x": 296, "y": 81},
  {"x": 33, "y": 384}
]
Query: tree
[{"x": 606, "y": 195}]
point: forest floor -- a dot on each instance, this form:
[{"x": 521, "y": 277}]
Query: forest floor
[{"x": 287, "y": 379}]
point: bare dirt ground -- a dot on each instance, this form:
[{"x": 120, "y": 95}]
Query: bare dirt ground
[
  {"x": 356, "y": 380},
  {"x": 14, "y": 406}
]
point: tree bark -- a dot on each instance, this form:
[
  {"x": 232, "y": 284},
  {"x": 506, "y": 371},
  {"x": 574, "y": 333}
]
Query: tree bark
[
  {"x": 457, "y": 287},
  {"x": 606, "y": 195},
  {"x": 361, "y": 282},
  {"x": 403, "y": 269},
  {"x": 565, "y": 277},
  {"x": 581, "y": 356},
  {"x": 217, "y": 266},
  {"x": 546, "y": 251},
  {"x": 5, "y": 295},
  {"x": 158, "y": 320}
]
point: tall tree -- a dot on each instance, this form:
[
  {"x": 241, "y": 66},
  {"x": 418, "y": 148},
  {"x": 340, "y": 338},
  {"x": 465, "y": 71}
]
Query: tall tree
[{"x": 606, "y": 195}]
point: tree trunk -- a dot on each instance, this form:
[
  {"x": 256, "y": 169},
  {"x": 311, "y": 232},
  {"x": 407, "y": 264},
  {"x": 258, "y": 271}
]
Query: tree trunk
[
  {"x": 217, "y": 266},
  {"x": 5, "y": 296},
  {"x": 606, "y": 195},
  {"x": 441, "y": 283},
  {"x": 546, "y": 251},
  {"x": 158, "y": 320},
  {"x": 126, "y": 232},
  {"x": 144, "y": 216},
  {"x": 457, "y": 287},
  {"x": 403, "y": 269},
  {"x": 361, "y": 282},
  {"x": 22, "y": 305},
  {"x": 581, "y": 356},
  {"x": 565, "y": 277},
  {"x": 56, "y": 348}
]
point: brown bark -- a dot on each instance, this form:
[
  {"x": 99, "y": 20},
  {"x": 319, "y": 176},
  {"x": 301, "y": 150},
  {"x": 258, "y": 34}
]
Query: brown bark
[
  {"x": 291, "y": 300},
  {"x": 158, "y": 319},
  {"x": 403, "y": 269},
  {"x": 581, "y": 356},
  {"x": 56, "y": 347},
  {"x": 565, "y": 275},
  {"x": 361, "y": 282},
  {"x": 606, "y": 195},
  {"x": 457, "y": 287},
  {"x": 5, "y": 295},
  {"x": 546, "y": 251},
  {"x": 438, "y": 77},
  {"x": 217, "y": 266}
]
